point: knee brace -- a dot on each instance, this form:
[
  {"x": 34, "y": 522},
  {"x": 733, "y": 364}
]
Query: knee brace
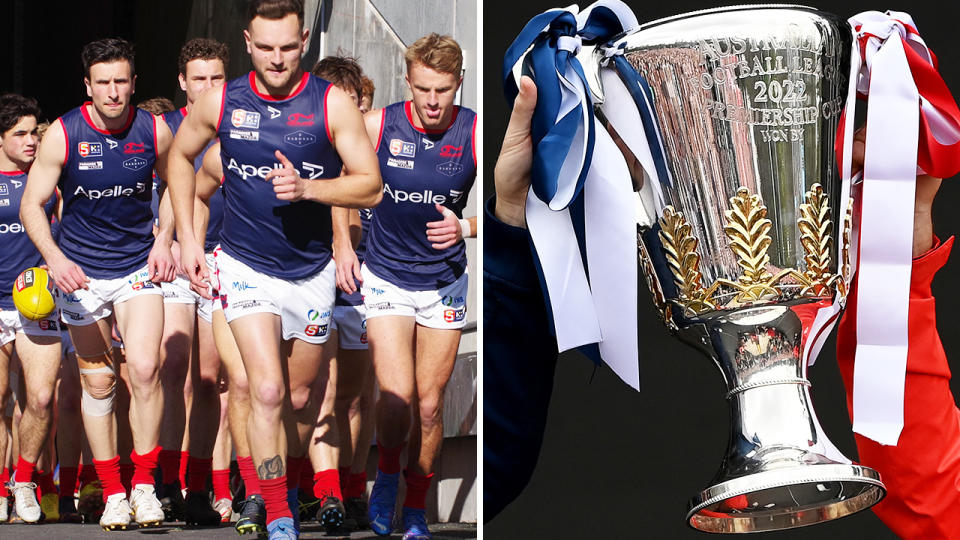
[{"x": 100, "y": 402}]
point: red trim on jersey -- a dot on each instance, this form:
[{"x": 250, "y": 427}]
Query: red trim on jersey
[
  {"x": 12, "y": 173},
  {"x": 268, "y": 97},
  {"x": 408, "y": 108},
  {"x": 66, "y": 141},
  {"x": 86, "y": 116},
  {"x": 183, "y": 111},
  {"x": 383, "y": 120},
  {"x": 473, "y": 141},
  {"x": 326, "y": 114},
  {"x": 223, "y": 103},
  {"x": 156, "y": 147}
]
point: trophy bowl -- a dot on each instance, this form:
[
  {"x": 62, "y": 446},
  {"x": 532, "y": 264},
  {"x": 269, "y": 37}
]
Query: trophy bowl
[{"x": 744, "y": 243}]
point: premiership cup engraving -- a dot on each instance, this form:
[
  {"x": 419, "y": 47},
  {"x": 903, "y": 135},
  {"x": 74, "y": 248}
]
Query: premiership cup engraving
[{"x": 742, "y": 250}]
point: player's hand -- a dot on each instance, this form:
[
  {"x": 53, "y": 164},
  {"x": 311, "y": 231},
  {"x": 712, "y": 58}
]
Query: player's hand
[
  {"x": 287, "y": 184},
  {"x": 67, "y": 275},
  {"x": 512, "y": 172},
  {"x": 446, "y": 232},
  {"x": 175, "y": 253},
  {"x": 348, "y": 270},
  {"x": 194, "y": 262},
  {"x": 160, "y": 263},
  {"x": 926, "y": 191}
]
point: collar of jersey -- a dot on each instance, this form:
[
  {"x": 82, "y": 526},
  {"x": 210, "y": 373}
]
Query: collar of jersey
[
  {"x": 126, "y": 126},
  {"x": 408, "y": 108},
  {"x": 13, "y": 173},
  {"x": 296, "y": 91}
]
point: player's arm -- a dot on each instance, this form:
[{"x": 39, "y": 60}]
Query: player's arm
[
  {"x": 160, "y": 263},
  {"x": 197, "y": 129},
  {"x": 41, "y": 184},
  {"x": 348, "y": 265},
  {"x": 359, "y": 186},
  {"x": 208, "y": 180}
]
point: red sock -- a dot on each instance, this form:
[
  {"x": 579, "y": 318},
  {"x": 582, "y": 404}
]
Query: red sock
[
  {"x": 251, "y": 482},
  {"x": 294, "y": 466},
  {"x": 275, "y": 498},
  {"x": 108, "y": 471},
  {"x": 45, "y": 483},
  {"x": 68, "y": 481},
  {"x": 87, "y": 474},
  {"x": 184, "y": 462},
  {"x": 327, "y": 484},
  {"x": 389, "y": 461},
  {"x": 306, "y": 477},
  {"x": 356, "y": 485},
  {"x": 221, "y": 484},
  {"x": 169, "y": 461},
  {"x": 126, "y": 475},
  {"x": 144, "y": 465},
  {"x": 25, "y": 470},
  {"x": 197, "y": 474},
  {"x": 4, "y": 478},
  {"x": 417, "y": 486}
]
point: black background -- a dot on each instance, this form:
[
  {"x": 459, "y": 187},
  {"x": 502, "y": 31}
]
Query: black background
[{"x": 622, "y": 464}]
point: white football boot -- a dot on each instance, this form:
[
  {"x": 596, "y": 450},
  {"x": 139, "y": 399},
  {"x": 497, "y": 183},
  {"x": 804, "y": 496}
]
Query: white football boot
[
  {"x": 116, "y": 513},
  {"x": 147, "y": 510},
  {"x": 25, "y": 501}
]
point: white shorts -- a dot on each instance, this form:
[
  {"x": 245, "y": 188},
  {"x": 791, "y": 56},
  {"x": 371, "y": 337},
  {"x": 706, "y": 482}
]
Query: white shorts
[
  {"x": 83, "y": 307},
  {"x": 350, "y": 322},
  {"x": 11, "y": 322},
  {"x": 445, "y": 309},
  {"x": 305, "y": 306},
  {"x": 178, "y": 291}
]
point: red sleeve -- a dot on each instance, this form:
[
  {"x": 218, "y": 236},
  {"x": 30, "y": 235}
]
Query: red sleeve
[{"x": 922, "y": 472}]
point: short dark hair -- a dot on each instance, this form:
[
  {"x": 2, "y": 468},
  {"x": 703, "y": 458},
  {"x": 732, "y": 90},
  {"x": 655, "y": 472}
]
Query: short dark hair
[
  {"x": 157, "y": 106},
  {"x": 13, "y": 107},
  {"x": 202, "y": 49},
  {"x": 275, "y": 9},
  {"x": 342, "y": 71},
  {"x": 368, "y": 88},
  {"x": 106, "y": 50}
]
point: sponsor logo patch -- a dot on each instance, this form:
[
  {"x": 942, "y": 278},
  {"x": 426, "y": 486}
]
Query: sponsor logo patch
[
  {"x": 375, "y": 290},
  {"x": 400, "y": 163},
  {"x": 454, "y": 315},
  {"x": 90, "y": 165},
  {"x": 401, "y": 148},
  {"x": 380, "y": 305},
  {"x": 135, "y": 163},
  {"x": 71, "y": 315},
  {"x": 4, "y": 189},
  {"x": 297, "y": 119},
  {"x": 449, "y": 168},
  {"x": 4, "y": 202},
  {"x": 451, "y": 151},
  {"x": 115, "y": 191},
  {"x": 244, "y": 304},
  {"x": 133, "y": 148},
  {"x": 242, "y": 285},
  {"x": 315, "y": 330},
  {"x": 12, "y": 228},
  {"x": 427, "y": 143},
  {"x": 299, "y": 138},
  {"x": 112, "y": 143},
  {"x": 47, "y": 324},
  {"x": 245, "y": 119},
  {"x": 90, "y": 149},
  {"x": 451, "y": 300},
  {"x": 245, "y": 135},
  {"x": 313, "y": 315},
  {"x": 274, "y": 112},
  {"x": 426, "y": 196}
]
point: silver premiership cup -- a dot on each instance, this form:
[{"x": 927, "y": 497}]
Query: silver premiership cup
[{"x": 742, "y": 250}]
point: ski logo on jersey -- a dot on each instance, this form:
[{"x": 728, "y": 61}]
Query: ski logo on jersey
[
  {"x": 274, "y": 112},
  {"x": 133, "y": 148},
  {"x": 115, "y": 191},
  {"x": 449, "y": 168},
  {"x": 4, "y": 189},
  {"x": 297, "y": 119},
  {"x": 90, "y": 165},
  {"x": 454, "y": 315},
  {"x": 245, "y": 119},
  {"x": 427, "y": 143},
  {"x": 299, "y": 138},
  {"x": 316, "y": 330},
  {"x": 451, "y": 151},
  {"x": 90, "y": 149},
  {"x": 401, "y": 148},
  {"x": 135, "y": 163},
  {"x": 400, "y": 163},
  {"x": 112, "y": 143}
]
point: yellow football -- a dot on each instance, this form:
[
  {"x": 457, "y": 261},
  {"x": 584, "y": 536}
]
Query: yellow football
[{"x": 33, "y": 294}]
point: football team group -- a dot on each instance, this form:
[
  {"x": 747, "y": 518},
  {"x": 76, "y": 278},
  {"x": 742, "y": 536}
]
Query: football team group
[{"x": 231, "y": 279}]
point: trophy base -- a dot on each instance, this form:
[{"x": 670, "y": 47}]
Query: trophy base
[{"x": 785, "y": 498}]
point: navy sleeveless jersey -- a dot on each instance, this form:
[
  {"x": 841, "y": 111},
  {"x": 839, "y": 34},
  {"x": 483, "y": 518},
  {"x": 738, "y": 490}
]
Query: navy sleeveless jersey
[
  {"x": 278, "y": 238},
  {"x": 19, "y": 253},
  {"x": 420, "y": 168},
  {"x": 356, "y": 299},
  {"x": 215, "y": 221},
  {"x": 106, "y": 185}
]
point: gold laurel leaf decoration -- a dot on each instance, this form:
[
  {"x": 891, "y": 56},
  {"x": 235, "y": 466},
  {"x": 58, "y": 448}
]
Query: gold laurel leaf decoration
[
  {"x": 815, "y": 225},
  {"x": 747, "y": 227},
  {"x": 680, "y": 249},
  {"x": 845, "y": 267}
]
